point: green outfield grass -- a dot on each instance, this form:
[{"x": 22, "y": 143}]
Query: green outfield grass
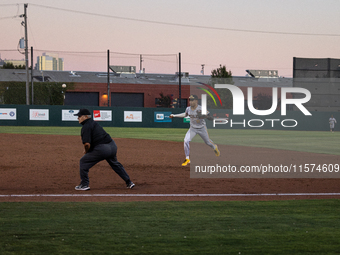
[
  {"x": 272, "y": 227},
  {"x": 308, "y": 141},
  {"x": 169, "y": 134}
]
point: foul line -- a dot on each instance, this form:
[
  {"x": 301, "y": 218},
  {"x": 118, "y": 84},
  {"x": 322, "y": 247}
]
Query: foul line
[{"x": 172, "y": 195}]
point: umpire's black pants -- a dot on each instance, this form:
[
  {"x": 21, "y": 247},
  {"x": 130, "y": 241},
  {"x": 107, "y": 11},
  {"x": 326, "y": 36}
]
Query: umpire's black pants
[{"x": 100, "y": 152}]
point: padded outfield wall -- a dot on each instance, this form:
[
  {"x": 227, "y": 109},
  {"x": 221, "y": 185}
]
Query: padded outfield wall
[{"x": 23, "y": 115}]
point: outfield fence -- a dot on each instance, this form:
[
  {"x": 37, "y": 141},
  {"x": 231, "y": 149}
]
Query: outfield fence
[{"x": 52, "y": 115}]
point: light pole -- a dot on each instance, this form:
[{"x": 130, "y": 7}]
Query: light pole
[
  {"x": 32, "y": 86},
  {"x": 179, "y": 81},
  {"x": 26, "y": 56},
  {"x": 108, "y": 78}
]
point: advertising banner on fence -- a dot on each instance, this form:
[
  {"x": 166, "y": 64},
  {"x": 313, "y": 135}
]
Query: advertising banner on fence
[
  {"x": 162, "y": 117},
  {"x": 68, "y": 115},
  {"x": 39, "y": 114},
  {"x": 8, "y": 114},
  {"x": 99, "y": 115},
  {"x": 132, "y": 116}
]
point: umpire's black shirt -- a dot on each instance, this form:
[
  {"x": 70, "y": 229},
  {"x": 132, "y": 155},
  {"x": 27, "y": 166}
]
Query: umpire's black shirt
[{"x": 94, "y": 134}]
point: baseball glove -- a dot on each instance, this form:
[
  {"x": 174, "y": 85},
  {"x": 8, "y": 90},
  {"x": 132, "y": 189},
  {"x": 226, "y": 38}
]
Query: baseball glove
[{"x": 201, "y": 116}]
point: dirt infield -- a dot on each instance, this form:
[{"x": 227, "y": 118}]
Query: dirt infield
[{"x": 46, "y": 165}]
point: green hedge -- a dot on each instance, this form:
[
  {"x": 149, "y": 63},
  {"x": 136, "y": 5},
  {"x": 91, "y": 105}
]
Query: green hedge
[{"x": 45, "y": 93}]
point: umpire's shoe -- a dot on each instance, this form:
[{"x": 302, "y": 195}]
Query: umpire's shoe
[
  {"x": 130, "y": 185},
  {"x": 82, "y": 187}
]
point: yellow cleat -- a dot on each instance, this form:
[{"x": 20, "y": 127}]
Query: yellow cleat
[
  {"x": 186, "y": 162},
  {"x": 217, "y": 152}
]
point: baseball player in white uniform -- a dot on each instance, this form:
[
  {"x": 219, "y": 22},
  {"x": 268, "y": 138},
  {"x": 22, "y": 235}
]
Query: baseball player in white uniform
[
  {"x": 332, "y": 122},
  {"x": 197, "y": 126}
]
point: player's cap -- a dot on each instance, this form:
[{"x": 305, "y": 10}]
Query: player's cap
[
  {"x": 193, "y": 97},
  {"x": 82, "y": 112}
]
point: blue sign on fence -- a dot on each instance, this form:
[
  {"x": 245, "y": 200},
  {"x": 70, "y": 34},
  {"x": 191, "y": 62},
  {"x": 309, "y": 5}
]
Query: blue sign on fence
[{"x": 162, "y": 117}]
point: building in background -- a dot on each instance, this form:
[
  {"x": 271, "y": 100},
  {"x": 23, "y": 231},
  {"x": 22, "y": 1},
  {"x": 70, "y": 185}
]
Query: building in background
[
  {"x": 130, "y": 89},
  {"x": 13, "y": 61},
  {"x": 50, "y": 62}
]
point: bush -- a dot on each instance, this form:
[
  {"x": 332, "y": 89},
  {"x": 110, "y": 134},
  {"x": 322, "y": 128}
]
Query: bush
[{"x": 45, "y": 93}]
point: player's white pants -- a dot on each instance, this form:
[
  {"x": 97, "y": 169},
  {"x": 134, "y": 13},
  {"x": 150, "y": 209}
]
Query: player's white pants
[{"x": 202, "y": 132}]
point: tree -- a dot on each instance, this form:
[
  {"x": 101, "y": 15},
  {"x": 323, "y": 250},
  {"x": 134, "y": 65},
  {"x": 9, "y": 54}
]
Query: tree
[
  {"x": 10, "y": 65},
  {"x": 13, "y": 92},
  {"x": 20, "y": 67},
  {"x": 221, "y": 76},
  {"x": 221, "y": 72},
  {"x": 164, "y": 101},
  {"x": 45, "y": 93}
]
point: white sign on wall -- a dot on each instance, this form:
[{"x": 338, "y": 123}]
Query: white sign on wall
[
  {"x": 39, "y": 114},
  {"x": 132, "y": 116},
  {"x": 99, "y": 115},
  {"x": 68, "y": 115},
  {"x": 8, "y": 113}
]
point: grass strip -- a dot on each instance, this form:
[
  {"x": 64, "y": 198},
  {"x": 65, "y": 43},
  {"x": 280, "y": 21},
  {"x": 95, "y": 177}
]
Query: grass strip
[
  {"x": 307, "y": 141},
  {"x": 233, "y": 227}
]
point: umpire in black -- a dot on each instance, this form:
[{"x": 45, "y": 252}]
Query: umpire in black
[{"x": 98, "y": 145}]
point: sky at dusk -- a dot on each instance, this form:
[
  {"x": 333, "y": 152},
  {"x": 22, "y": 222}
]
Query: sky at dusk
[{"x": 240, "y": 34}]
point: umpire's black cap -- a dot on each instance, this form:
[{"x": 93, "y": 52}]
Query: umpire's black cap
[{"x": 82, "y": 112}]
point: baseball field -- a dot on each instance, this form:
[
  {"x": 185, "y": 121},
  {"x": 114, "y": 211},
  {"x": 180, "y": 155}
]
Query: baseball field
[{"x": 167, "y": 212}]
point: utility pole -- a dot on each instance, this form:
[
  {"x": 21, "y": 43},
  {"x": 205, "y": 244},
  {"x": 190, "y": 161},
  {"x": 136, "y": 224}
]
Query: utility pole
[
  {"x": 202, "y": 71},
  {"x": 179, "y": 82},
  {"x": 26, "y": 56},
  {"x": 108, "y": 78},
  {"x": 141, "y": 64},
  {"x": 32, "y": 75}
]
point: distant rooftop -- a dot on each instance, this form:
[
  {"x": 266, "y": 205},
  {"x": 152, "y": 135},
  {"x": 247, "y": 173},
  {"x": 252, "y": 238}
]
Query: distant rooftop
[{"x": 136, "y": 78}]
